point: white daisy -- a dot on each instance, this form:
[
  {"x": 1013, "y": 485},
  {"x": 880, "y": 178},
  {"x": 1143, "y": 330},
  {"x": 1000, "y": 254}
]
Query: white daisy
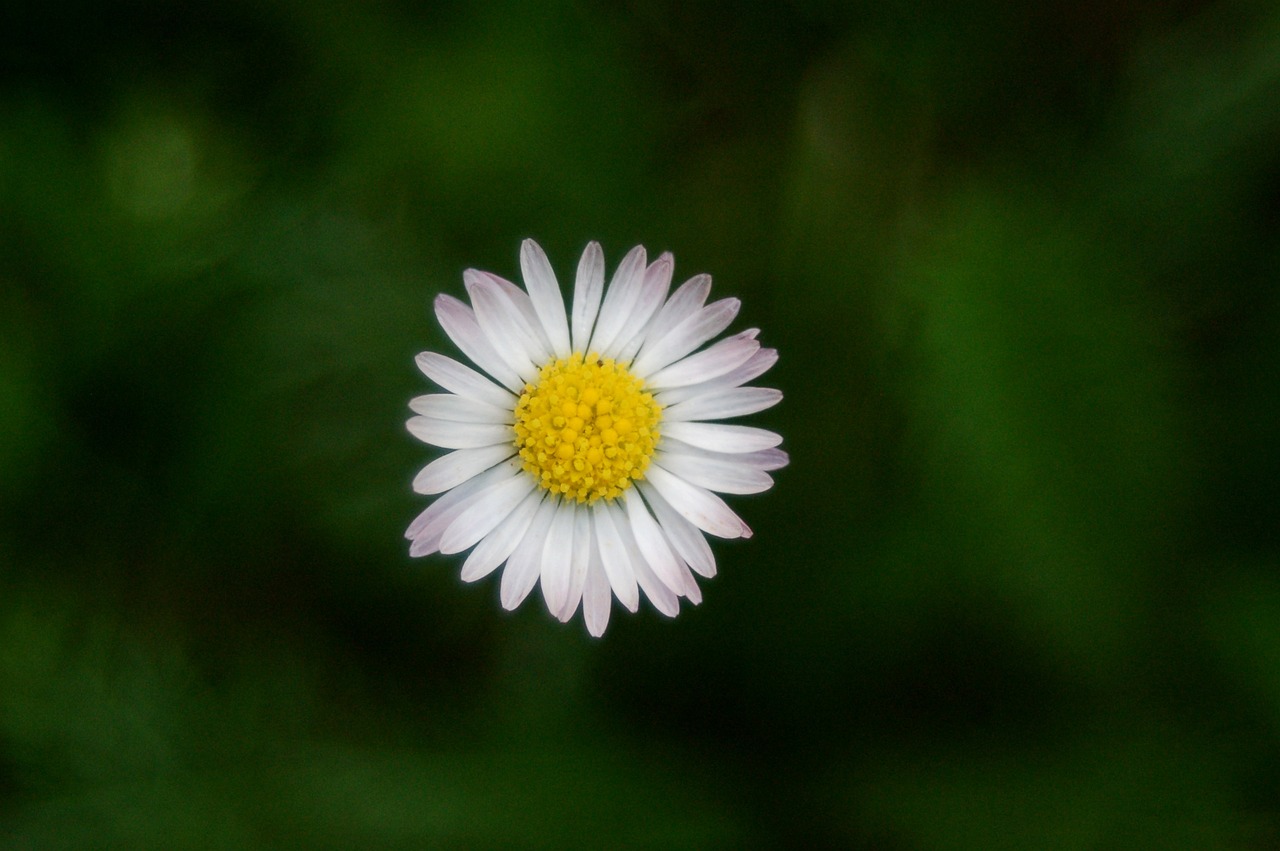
[{"x": 589, "y": 457}]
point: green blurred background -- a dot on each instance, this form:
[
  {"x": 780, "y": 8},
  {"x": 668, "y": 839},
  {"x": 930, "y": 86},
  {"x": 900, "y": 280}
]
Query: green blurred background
[{"x": 1020, "y": 587}]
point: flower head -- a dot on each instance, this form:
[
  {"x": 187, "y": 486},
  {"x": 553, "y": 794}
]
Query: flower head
[{"x": 588, "y": 455}]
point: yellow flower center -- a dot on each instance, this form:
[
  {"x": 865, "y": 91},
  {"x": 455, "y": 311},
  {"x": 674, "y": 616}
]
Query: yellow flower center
[{"x": 586, "y": 428}]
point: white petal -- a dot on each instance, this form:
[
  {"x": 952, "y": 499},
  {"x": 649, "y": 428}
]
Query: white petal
[
  {"x": 657, "y": 280},
  {"x": 613, "y": 554},
  {"x": 557, "y": 557},
  {"x": 459, "y": 322},
  {"x": 490, "y": 509},
  {"x": 766, "y": 459},
  {"x": 663, "y": 598},
  {"x": 698, "y": 505},
  {"x": 691, "y": 589},
  {"x": 653, "y": 544},
  {"x": 618, "y": 300},
  {"x": 513, "y": 302},
  {"x": 722, "y": 358},
  {"x": 449, "y": 471},
  {"x": 756, "y": 365},
  {"x": 427, "y": 527},
  {"x": 455, "y": 435},
  {"x": 548, "y": 303},
  {"x": 447, "y": 406},
  {"x": 686, "y": 301},
  {"x": 498, "y": 544},
  {"x": 596, "y": 598},
  {"x": 721, "y": 437},
  {"x": 525, "y": 563},
  {"x": 762, "y": 459},
  {"x": 583, "y": 546},
  {"x": 501, "y": 326},
  {"x": 685, "y": 337},
  {"x": 523, "y": 305},
  {"x": 463, "y": 380},
  {"x": 722, "y": 404},
  {"x": 714, "y": 474},
  {"x": 455, "y": 496},
  {"x": 587, "y": 291},
  {"x": 686, "y": 539}
]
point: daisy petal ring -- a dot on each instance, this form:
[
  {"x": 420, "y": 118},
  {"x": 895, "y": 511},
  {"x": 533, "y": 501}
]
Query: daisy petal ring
[{"x": 587, "y": 453}]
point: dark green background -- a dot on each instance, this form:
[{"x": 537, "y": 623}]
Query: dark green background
[{"x": 1019, "y": 588}]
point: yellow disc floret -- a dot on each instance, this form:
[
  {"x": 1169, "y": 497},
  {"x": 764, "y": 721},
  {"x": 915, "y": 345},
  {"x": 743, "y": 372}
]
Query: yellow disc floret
[{"x": 586, "y": 428}]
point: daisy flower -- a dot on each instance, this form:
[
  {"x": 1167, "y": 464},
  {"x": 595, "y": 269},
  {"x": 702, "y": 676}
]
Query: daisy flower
[{"x": 587, "y": 455}]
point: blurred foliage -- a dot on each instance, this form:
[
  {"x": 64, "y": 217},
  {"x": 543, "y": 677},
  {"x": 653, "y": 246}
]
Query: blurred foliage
[{"x": 1020, "y": 587}]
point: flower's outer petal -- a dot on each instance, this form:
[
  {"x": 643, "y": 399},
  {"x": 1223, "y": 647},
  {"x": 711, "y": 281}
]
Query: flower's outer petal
[
  {"x": 663, "y": 598},
  {"x": 453, "y": 435},
  {"x": 723, "y": 404},
  {"x": 427, "y": 527},
  {"x": 677, "y": 342},
  {"x": 766, "y": 459},
  {"x": 459, "y": 322},
  {"x": 587, "y": 292},
  {"x": 613, "y": 554},
  {"x": 756, "y": 365},
  {"x": 501, "y": 326},
  {"x": 449, "y": 471},
  {"x": 448, "y": 406},
  {"x": 653, "y": 291},
  {"x": 548, "y": 302},
  {"x": 653, "y": 544},
  {"x": 720, "y": 359},
  {"x": 557, "y": 557},
  {"x": 762, "y": 459},
  {"x": 686, "y": 301},
  {"x": 715, "y": 475},
  {"x": 721, "y": 437},
  {"x": 619, "y": 297},
  {"x": 597, "y": 599},
  {"x": 525, "y": 562},
  {"x": 698, "y": 505},
  {"x": 490, "y": 509},
  {"x": 686, "y": 539},
  {"x": 498, "y": 544},
  {"x": 691, "y": 589},
  {"x": 518, "y": 307},
  {"x": 582, "y": 549},
  {"x": 463, "y": 380},
  {"x": 455, "y": 496},
  {"x": 518, "y": 300}
]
